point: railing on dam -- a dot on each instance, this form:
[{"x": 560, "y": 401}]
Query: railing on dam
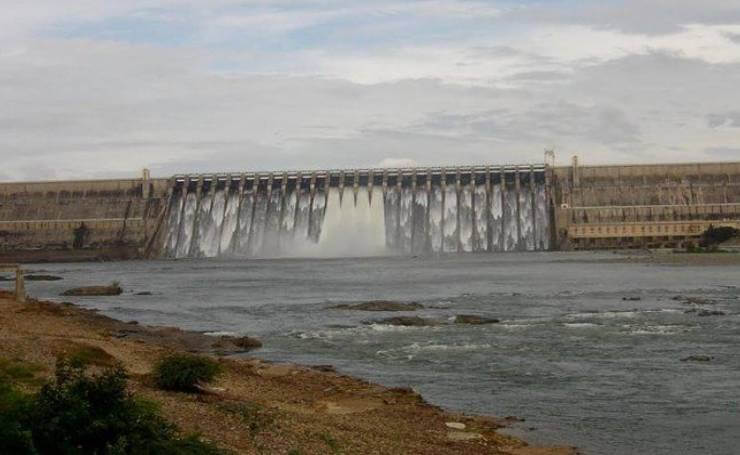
[{"x": 359, "y": 212}]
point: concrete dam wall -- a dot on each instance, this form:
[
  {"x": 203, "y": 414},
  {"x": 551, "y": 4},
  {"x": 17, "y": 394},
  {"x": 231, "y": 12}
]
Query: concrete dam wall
[
  {"x": 90, "y": 219},
  {"x": 628, "y": 206},
  {"x": 364, "y": 212}
]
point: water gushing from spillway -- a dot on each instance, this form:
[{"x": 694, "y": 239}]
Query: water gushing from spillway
[{"x": 229, "y": 218}]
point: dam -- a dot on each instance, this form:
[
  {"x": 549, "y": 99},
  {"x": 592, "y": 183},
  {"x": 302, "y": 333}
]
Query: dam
[{"x": 361, "y": 212}]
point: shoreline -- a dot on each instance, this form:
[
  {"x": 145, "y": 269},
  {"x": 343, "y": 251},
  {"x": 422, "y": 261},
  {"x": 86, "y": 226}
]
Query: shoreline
[
  {"x": 731, "y": 256},
  {"x": 312, "y": 409}
]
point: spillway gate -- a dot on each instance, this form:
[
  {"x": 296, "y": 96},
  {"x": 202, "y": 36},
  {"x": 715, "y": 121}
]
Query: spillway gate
[{"x": 359, "y": 212}]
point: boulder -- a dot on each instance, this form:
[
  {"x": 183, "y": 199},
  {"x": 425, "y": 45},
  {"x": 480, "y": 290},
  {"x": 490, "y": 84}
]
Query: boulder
[
  {"x": 380, "y": 305},
  {"x": 87, "y": 291},
  {"x": 455, "y": 425},
  {"x": 705, "y": 313},
  {"x": 462, "y": 436},
  {"x": 407, "y": 321},
  {"x": 698, "y": 358},
  {"x": 247, "y": 343},
  {"x": 42, "y": 278},
  {"x": 474, "y": 320},
  {"x": 694, "y": 300}
]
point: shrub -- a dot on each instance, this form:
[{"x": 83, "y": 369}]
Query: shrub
[
  {"x": 716, "y": 235},
  {"x": 184, "y": 372},
  {"x": 14, "y": 436},
  {"x": 88, "y": 414}
]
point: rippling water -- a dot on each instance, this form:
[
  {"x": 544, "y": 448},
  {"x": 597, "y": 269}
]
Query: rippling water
[{"x": 583, "y": 366}]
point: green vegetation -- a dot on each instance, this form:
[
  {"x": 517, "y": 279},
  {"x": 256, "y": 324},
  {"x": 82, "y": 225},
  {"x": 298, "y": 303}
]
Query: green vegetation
[
  {"x": 87, "y": 355},
  {"x": 81, "y": 413},
  {"x": 714, "y": 236},
  {"x": 15, "y": 371},
  {"x": 711, "y": 239},
  {"x": 330, "y": 442},
  {"x": 253, "y": 414},
  {"x": 184, "y": 372}
]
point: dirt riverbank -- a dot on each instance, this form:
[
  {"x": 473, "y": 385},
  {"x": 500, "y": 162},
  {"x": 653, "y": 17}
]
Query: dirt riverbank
[{"x": 257, "y": 407}]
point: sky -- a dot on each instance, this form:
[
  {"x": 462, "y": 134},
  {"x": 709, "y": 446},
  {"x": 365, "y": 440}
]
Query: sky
[{"x": 104, "y": 88}]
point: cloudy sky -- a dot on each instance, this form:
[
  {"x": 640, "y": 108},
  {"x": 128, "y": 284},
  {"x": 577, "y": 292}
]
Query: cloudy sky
[{"x": 100, "y": 88}]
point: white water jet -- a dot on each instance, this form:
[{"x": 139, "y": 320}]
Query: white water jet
[
  {"x": 271, "y": 236},
  {"x": 351, "y": 229},
  {"x": 419, "y": 225},
  {"x": 435, "y": 219},
  {"x": 542, "y": 221},
  {"x": 287, "y": 222},
  {"x": 211, "y": 239},
  {"x": 405, "y": 220},
  {"x": 526, "y": 218},
  {"x": 302, "y": 218},
  {"x": 466, "y": 219},
  {"x": 497, "y": 217},
  {"x": 480, "y": 204},
  {"x": 173, "y": 225},
  {"x": 228, "y": 230},
  {"x": 318, "y": 211},
  {"x": 450, "y": 228},
  {"x": 511, "y": 219},
  {"x": 187, "y": 226},
  {"x": 259, "y": 217},
  {"x": 244, "y": 224},
  {"x": 202, "y": 223},
  {"x": 392, "y": 203}
]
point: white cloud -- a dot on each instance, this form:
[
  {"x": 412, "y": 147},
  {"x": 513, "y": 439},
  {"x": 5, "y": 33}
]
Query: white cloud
[{"x": 426, "y": 82}]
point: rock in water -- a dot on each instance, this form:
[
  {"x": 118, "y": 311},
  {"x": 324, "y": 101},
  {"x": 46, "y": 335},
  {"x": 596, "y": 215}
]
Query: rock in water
[
  {"x": 407, "y": 321},
  {"x": 474, "y": 320},
  {"x": 705, "y": 313},
  {"x": 86, "y": 291},
  {"x": 380, "y": 305},
  {"x": 698, "y": 358},
  {"x": 43, "y": 278},
  {"x": 248, "y": 343},
  {"x": 144, "y": 293}
]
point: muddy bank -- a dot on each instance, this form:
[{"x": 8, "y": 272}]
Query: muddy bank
[{"x": 259, "y": 407}]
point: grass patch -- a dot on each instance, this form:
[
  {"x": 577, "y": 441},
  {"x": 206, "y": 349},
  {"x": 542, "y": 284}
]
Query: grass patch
[
  {"x": 184, "y": 372},
  {"x": 86, "y": 355},
  {"x": 19, "y": 372},
  {"x": 329, "y": 440},
  {"x": 253, "y": 414}
]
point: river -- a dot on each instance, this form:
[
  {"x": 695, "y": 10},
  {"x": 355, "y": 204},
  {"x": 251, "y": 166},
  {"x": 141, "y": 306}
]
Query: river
[{"x": 583, "y": 366}]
